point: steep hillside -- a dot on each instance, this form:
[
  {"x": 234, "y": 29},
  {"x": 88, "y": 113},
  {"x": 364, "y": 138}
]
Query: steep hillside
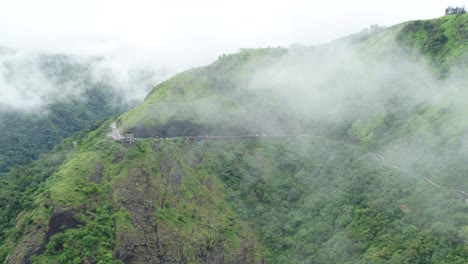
[
  {"x": 443, "y": 40},
  {"x": 351, "y": 152},
  {"x": 26, "y": 135}
]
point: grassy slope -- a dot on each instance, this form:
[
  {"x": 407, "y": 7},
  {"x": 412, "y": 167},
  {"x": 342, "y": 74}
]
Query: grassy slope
[
  {"x": 443, "y": 40},
  {"x": 188, "y": 97}
]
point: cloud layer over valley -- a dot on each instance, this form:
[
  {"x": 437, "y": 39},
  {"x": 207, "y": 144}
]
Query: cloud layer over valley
[{"x": 31, "y": 81}]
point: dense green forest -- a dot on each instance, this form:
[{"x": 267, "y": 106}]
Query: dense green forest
[
  {"x": 26, "y": 134},
  {"x": 354, "y": 152}
]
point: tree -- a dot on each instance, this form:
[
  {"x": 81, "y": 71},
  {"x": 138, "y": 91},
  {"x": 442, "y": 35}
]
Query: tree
[{"x": 455, "y": 10}]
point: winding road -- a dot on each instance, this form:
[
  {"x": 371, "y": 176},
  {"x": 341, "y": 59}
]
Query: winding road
[
  {"x": 115, "y": 134},
  {"x": 381, "y": 160}
]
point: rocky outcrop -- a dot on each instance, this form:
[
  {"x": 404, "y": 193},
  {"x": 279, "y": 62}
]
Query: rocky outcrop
[
  {"x": 62, "y": 217},
  {"x": 164, "y": 211},
  {"x": 33, "y": 245},
  {"x": 97, "y": 174},
  {"x": 172, "y": 224}
]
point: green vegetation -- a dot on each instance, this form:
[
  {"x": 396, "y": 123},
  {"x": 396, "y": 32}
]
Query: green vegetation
[
  {"x": 177, "y": 211},
  {"x": 26, "y": 135},
  {"x": 305, "y": 196},
  {"x": 318, "y": 201},
  {"x": 442, "y": 40},
  {"x": 175, "y": 99},
  {"x": 455, "y": 10},
  {"x": 314, "y": 194}
]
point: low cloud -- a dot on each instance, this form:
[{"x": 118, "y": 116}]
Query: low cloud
[{"x": 31, "y": 81}]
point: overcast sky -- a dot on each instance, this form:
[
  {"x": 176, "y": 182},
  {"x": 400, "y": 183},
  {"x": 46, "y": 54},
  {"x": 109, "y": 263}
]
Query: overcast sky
[{"x": 190, "y": 33}]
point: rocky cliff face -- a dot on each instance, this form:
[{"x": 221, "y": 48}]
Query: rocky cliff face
[
  {"x": 169, "y": 206},
  {"x": 163, "y": 209}
]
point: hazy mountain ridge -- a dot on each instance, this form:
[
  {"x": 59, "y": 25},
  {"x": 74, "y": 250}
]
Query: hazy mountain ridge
[
  {"x": 48, "y": 97},
  {"x": 318, "y": 196}
]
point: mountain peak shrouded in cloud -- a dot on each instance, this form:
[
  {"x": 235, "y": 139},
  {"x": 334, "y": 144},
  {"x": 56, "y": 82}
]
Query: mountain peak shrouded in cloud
[
  {"x": 158, "y": 38},
  {"x": 353, "y": 151},
  {"x": 348, "y": 152}
]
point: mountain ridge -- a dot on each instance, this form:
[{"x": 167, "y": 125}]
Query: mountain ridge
[{"x": 320, "y": 199}]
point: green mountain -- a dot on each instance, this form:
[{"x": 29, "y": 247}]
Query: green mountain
[
  {"x": 350, "y": 152},
  {"x": 66, "y": 97}
]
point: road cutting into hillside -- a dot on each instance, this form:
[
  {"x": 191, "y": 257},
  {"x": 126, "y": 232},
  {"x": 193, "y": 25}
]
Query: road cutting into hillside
[
  {"x": 381, "y": 160},
  {"x": 115, "y": 135}
]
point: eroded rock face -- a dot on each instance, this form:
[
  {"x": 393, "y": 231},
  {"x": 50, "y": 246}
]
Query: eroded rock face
[
  {"x": 173, "y": 215},
  {"x": 147, "y": 193},
  {"x": 118, "y": 158},
  {"x": 35, "y": 243},
  {"x": 142, "y": 244},
  {"x": 97, "y": 174},
  {"x": 61, "y": 217},
  {"x": 32, "y": 246}
]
